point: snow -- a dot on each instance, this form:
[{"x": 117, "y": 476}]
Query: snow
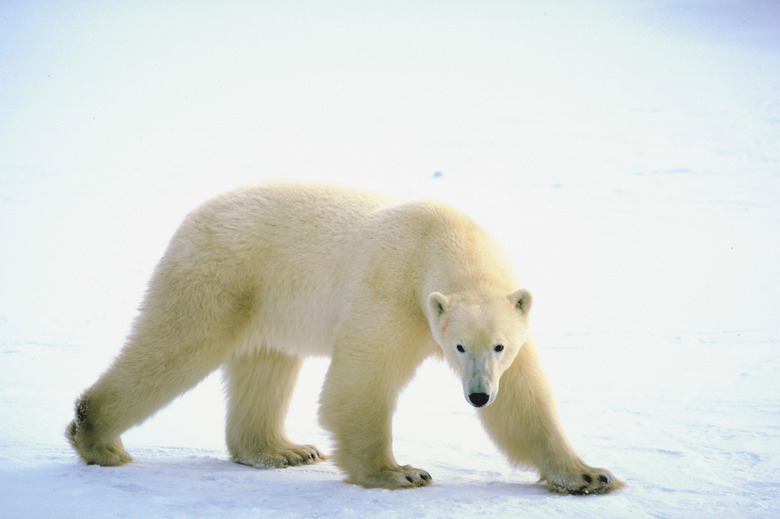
[{"x": 626, "y": 153}]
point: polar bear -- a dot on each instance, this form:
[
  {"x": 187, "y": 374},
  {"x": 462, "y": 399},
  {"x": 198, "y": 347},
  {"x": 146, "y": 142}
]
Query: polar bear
[{"x": 261, "y": 277}]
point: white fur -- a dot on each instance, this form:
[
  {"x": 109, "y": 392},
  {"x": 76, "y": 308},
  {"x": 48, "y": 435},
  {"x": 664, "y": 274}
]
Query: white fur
[{"x": 259, "y": 278}]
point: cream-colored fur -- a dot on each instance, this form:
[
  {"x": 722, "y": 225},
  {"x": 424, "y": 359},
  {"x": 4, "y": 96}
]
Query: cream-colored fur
[{"x": 259, "y": 278}]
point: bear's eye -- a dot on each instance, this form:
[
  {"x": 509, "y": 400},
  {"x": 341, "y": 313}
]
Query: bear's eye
[
  {"x": 460, "y": 348},
  {"x": 498, "y": 347}
]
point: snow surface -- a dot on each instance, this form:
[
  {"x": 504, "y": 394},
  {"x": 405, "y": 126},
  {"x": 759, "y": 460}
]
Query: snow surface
[{"x": 626, "y": 152}]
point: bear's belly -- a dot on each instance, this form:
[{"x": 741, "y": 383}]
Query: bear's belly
[{"x": 308, "y": 334}]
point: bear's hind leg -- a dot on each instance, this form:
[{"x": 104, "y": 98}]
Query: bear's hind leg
[
  {"x": 137, "y": 385},
  {"x": 186, "y": 326},
  {"x": 259, "y": 388}
]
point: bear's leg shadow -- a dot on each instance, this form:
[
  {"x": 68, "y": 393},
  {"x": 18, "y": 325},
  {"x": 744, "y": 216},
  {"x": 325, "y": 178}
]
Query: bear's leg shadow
[
  {"x": 357, "y": 405},
  {"x": 523, "y": 421},
  {"x": 259, "y": 387}
]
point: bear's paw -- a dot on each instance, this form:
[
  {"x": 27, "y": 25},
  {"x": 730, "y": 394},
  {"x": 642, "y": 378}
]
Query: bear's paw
[
  {"x": 394, "y": 478},
  {"x": 288, "y": 455},
  {"x": 111, "y": 455}
]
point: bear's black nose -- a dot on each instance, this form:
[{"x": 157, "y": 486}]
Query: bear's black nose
[{"x": 478, "y": 399}]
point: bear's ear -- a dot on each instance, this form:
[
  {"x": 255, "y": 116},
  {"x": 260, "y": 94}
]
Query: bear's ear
[
  {"x": 437, "y": 304},
  {"x": 522, "y": 300}
]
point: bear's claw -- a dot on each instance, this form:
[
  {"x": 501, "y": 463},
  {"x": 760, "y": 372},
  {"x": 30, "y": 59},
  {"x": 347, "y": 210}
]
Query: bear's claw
[{"x": 596, "y": 481}]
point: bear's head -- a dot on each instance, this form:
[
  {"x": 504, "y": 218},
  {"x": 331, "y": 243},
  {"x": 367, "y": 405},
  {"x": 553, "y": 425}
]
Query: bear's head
[{"x": 480, "y": 336}]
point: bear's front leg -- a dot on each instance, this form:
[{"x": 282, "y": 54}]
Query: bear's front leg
[
  {"x": 357, "y": 404},
  {"x": 524, "y": 423}
]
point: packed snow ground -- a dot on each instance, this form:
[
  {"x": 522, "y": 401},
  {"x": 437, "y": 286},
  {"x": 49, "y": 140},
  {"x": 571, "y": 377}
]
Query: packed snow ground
[{"x": 626, "y": 153}]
